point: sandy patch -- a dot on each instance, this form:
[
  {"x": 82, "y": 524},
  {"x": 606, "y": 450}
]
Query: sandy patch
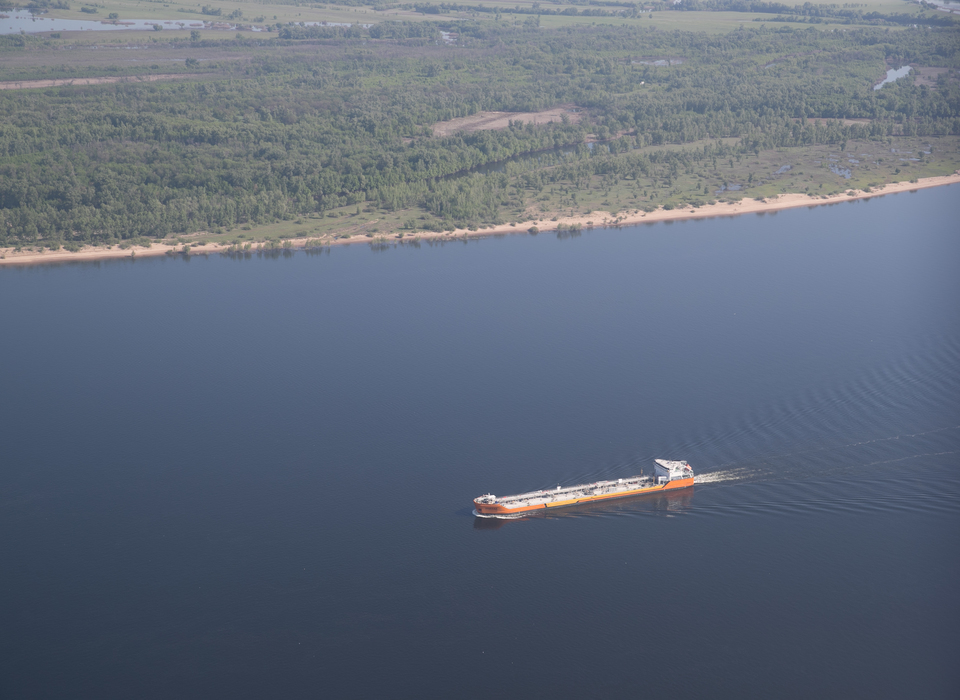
[
  {"x": 596, "y": 219},
  {"x": 101, "y": 253},
  {"x": 58, "y": 82},
  {"x": 824, "y": 120},
  {"x": 487, "y": 121}
]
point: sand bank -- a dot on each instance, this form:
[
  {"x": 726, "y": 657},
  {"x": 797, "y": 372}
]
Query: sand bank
[
  {"x": 60, "y": 82},
  {"x": 596, "y": 219},
  {"x": 488, "y": 121}
]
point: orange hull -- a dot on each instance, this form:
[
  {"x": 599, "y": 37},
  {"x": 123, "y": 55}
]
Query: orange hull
[{"x": 498, "y": 509}]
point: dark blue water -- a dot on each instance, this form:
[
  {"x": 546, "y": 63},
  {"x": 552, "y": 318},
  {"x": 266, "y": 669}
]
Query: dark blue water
[{"x": 252, "y": 478}]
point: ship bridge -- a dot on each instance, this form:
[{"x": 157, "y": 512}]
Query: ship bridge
[{"x": 671, "y": 470}]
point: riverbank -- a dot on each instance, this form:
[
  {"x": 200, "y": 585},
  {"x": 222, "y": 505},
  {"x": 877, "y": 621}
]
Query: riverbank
[{"x": 9, "y": 256}]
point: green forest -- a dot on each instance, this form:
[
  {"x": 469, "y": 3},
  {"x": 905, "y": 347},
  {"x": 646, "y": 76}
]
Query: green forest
[{"x": 335, "y": 122}]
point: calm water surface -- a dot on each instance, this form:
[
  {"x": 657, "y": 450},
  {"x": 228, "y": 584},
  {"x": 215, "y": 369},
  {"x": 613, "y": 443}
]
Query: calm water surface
[
  {"x": 252, "y": 478},
  {"x": 893, "y": 74}
]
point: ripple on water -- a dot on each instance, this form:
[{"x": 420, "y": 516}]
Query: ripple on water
[
  {"x": 888, "y": 494},
  {"x": 744, "y": 470},
  {"x": 901, "y": 410}
]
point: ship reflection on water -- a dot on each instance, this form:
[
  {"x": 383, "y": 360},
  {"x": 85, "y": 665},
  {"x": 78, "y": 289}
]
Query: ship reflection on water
[{"x": 664, "y": 503}]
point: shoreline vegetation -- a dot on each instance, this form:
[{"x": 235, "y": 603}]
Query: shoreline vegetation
[
  {"x": 455, "y": 119},
  {"x": 8, "y": 256}
]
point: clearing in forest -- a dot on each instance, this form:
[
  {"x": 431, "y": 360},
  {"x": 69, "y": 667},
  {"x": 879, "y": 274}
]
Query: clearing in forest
[
  {"x": 927, "y": 75},
  {"x": 487, "y": 121},
  {"x": 60, "y": 82}
]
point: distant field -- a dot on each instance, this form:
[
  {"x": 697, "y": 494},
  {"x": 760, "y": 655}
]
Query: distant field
[
  {"x": 88, "y": 57},
  {"x": 263, "y": 14},
  {"x": 191, "y": 12},
  {"x": 67, "y": 82}
]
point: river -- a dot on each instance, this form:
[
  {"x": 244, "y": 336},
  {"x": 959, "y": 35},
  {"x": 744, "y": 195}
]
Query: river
[{"x": 252, "y": 478}]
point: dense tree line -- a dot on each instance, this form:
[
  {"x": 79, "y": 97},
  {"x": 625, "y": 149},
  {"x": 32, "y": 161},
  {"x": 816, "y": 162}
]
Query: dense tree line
[{"x": 287, "y": 133}]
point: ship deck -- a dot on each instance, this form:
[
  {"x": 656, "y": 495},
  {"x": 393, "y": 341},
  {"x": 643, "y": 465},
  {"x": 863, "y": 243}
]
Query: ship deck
[
  {"x": 597, "y": 489},
  {"x": 668, "y": 474}
]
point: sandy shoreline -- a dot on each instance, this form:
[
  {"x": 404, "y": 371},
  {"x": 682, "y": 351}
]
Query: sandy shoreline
[{"x": 596, "y": 219}]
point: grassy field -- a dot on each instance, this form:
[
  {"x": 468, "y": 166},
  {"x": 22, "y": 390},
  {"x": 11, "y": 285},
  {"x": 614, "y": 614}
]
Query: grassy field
[
  {"x": 263, "y": 14},
  {"x": 331, "y": 12},
  {"x": 256, "y": 13}
]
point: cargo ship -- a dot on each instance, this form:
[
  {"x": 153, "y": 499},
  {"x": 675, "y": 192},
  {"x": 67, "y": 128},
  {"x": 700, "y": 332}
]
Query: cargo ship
[{"x": 668, "y": 475}]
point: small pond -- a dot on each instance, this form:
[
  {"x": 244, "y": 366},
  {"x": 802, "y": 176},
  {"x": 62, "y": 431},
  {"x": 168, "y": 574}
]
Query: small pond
[
  {"x": 729, "y": 188},
  {"x": 843, "y": 172},
  {"x": 892, "y": 75}
]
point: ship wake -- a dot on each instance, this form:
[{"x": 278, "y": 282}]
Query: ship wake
[
  {"x": 504, "y": 516},
  {"x": 727, "y": 475}
]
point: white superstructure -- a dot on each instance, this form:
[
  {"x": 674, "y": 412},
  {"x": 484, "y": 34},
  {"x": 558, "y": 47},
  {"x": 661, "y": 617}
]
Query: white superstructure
[{"x": 671, "y": 470}]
